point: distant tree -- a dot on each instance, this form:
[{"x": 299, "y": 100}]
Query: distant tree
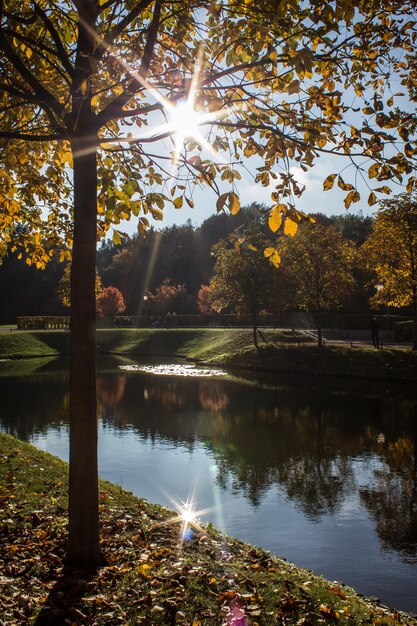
[
  {"x": 203, "y": 300},
  {"x": 168, "y": 298},
  {"x": 320, "y": 262},
  {"x": 244, "y": 279},
  {"x": 64, "y": 286},
  {"x": 110, "y": 302},
  {"x": 391, "y": 251}
]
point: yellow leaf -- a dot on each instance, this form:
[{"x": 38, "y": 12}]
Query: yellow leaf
[
  {"x": 290, "y": 227},
  {"x": 275, "y": 218},
  {"x": 329, "y": 182},
  {"x": 353, "y": 196},
  {"x": 190, "y": 203},
  {"x": 116, "y": 237},
  {"x": 371, "y": 199},
  {"x": 373, "y": 170},
  {"x": 143, "y": 570},
  {"x": 345, "y": 186},
  {"x": 221, "y": 201},
  {"x": 234, "y": 203},
  {"x": 157, "y": 214},
  {"x": 178, "y": 202},
  {"x": 273, "y": 256}
]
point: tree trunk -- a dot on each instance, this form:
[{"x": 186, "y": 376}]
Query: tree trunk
[
  {"x": 319, "y": 333},
  {"x": 255, "y": 328},
  {"x": 414, "y": 319},
  {"x": 83, "y": 532}
]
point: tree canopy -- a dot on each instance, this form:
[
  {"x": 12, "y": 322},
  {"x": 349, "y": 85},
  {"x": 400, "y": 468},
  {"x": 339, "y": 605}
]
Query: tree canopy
[
  {"x": 320, "y": 261},
  {"x": 337, "y": 67},
  {"x": 391, "y": 252}
]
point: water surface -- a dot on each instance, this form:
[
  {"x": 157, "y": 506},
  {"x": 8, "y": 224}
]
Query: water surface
[{"x": 325, "y": 476}]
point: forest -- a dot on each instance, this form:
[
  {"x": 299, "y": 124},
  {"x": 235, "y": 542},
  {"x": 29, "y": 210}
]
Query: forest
[{"x": 167, "y": 268}]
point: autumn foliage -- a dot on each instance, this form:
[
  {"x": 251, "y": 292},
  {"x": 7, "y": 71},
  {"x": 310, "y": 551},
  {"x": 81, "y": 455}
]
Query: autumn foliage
[{"x": 110, "y": 302}]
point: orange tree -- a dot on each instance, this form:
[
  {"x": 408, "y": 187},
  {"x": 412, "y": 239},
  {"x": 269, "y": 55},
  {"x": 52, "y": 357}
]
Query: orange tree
[
  {"x": 110, "y": 302},
  {"x": 391, "y": 252},
  {"x": 90, "y": 94}
]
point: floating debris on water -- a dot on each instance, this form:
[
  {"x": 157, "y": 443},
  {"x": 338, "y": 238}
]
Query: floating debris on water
[{"x": 173, "y": 370}]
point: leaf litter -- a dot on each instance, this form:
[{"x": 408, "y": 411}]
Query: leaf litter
[{"x": 152, "y": 575}]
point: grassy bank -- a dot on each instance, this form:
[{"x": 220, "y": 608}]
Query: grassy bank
[
  {"x": 229, "y": 347},
  {"x": 152, "y": 577}
]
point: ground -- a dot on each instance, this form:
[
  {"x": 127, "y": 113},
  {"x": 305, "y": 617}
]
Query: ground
[{"x": 155, "y": 574}]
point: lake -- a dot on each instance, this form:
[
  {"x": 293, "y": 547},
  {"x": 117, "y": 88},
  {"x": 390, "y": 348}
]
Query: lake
[{"x": 324, "y": 475}]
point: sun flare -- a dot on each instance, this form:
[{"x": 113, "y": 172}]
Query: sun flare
[{"x": 184, "y": 120}]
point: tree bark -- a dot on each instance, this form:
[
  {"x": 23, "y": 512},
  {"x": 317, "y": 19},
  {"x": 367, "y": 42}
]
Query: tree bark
[
  {"x": 319, "y": 332},
  {"x": 83, "y": 532},
  {"x": 414, "y": 319},
  {"x": 255, "y": 328}
]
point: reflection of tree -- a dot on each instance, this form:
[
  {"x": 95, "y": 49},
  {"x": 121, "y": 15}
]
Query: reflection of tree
[
  {"x": 300, "y": 439},
  {"x": 168, "y": 396},
  {"x": 212, "y": 396},
  {"x": 110, "y": 389},
  {"x": 392, "y": 499},
  {"x": 291, "y": 449},
  {"x": 30, "y": 404}
]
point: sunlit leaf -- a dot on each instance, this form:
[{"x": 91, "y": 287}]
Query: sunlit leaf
[
  {"x": 329, "y": 182},
  {"x": 275, "y": 218},
  {"x": 178, "y": 202},
  {"x": 234, "y": 203},
  {"x": 290, "y": 227},
  {"x": 273, "y": 256},
  {"x": 353, "y": 196},
  {"x": 221, "y": 201}
]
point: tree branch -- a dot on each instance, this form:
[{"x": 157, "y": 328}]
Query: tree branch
[
  {"x": 29, "y": 137},
  {"x": 61, "y": 53},
  {"x": 115, "y": 109},
  {"x": 43, "y": 95},
  {"x": 111, "y": 35}
]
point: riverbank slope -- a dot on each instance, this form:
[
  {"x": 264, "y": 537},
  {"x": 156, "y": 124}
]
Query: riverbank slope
[
  {"x": 230, "y": 348},
  {"x": 154, "y": 575}
]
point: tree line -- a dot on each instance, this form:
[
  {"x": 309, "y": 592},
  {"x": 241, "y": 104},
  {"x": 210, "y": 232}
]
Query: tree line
[
  {"x": 177, "y": 255},
  {"x": 346, "y": 262}
]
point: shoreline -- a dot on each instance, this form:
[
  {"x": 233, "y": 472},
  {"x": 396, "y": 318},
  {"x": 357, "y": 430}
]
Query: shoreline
[
  {"x": 230, "y": 348},
  {"x": 152, "y": 577}
]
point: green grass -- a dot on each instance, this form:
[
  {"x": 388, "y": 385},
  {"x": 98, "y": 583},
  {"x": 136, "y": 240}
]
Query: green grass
[
  {"x": 228, "y": 347},
  {"x": 151, "y": 577},
  {"x": 28, "y": 344}
]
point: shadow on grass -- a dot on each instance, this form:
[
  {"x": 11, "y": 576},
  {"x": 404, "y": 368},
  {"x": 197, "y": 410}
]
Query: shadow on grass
[
  {"x": 58, "y": 340},
  {"x": 61, "y": 607}
]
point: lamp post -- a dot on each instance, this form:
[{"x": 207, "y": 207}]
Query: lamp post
[
  {"x": 379, "y": 287},
  {"x": 145, "y": 300}
]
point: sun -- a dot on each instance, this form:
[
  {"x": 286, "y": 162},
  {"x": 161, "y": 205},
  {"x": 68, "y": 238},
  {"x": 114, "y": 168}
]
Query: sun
[{"x": 184, "y": 121}]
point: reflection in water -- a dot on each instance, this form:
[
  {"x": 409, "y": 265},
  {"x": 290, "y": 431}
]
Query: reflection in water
[
  {"x": 391, "y": 498},
  {"x": 212, "y": 396},
  {"x": 175, "y": 369},
  {"x": 110, "y": 389},
  {"x": 325, "y": 457}
]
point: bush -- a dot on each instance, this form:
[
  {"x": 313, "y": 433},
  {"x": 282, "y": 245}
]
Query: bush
[{"x": 43, "y": 322}]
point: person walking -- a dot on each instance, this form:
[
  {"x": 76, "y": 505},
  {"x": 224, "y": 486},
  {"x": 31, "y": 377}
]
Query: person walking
[{"x": 375, "y": 332}]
